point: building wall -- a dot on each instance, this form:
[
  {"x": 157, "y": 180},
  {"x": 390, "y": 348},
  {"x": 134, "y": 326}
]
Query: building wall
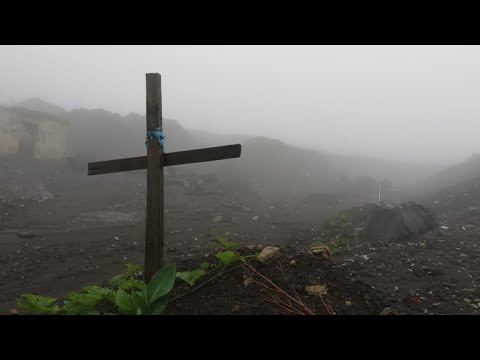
[
  {"x": 50, "y": 136},
  {"x": 51, "y": 141},
  {"x": 8, "y": 140}
]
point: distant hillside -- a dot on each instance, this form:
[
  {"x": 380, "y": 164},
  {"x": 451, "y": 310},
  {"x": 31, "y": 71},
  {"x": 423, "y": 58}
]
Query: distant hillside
[
  {"x": 211, "y": 139},
  {"x": 456, "y": 174},
  {"x": 270, "y": 166},
  {"x": 102, "y": 134}
]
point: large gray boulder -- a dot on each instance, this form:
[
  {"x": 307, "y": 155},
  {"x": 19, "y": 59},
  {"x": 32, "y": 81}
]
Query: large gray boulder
[{"x": 393, "y": 223}]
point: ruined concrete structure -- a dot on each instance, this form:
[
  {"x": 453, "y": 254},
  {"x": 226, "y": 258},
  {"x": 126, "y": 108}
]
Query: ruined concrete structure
[{"x": 33, "y": 134}]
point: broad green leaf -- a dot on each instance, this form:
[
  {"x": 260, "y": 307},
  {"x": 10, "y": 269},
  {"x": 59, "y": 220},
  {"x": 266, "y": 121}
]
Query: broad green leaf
[
  {"x": 161, "y": 283},
  {"x": 191, "y": 276},
  {"x": 227, "y": 257},
  {"x": 140, "y": 304},
  {"x": 159, "y": 306},
  {"x": 229, "y": 245},
  {"x": 125, "y": 303}
]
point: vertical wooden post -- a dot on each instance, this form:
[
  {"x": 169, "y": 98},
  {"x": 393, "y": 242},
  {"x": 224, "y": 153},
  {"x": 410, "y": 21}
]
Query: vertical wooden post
[{"x": 154, "y": 247}]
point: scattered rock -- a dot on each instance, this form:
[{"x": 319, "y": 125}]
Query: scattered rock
[
  {"x": 255, "y": 218},
  {"x": 388, "y": 311},
  {"x": 392, "y": 223},
  {"x": 13, "y": 312},
  {"x": 321, "y": 250},
  {"x": 269, "y": 254},
  {"x": 218, "y": 218},
  {"x": 247, "y": 281},
  {"x": 348, "y": 303},
  {"x": 316, "y": 290},
  {"x": 292, "y": 263},
  {"x": 236, "y": 308},
  {"x": 260, "y": 247},
  {"x": 25, "y": 235},
  {"x": 251, "y": 247}
]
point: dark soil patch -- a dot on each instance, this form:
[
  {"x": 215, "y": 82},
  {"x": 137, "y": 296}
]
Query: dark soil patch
[{"x": 228, "y": 294}]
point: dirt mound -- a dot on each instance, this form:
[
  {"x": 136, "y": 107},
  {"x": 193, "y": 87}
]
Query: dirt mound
[
  {"x": 392, "y": 223},
  {"x": 243, "y": 290}
]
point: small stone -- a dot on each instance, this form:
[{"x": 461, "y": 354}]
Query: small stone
[
  {"x": 348, "y": 303},
  {"x": 218, "y": 218},
  {"x": 269, "y": 254},
  {"x": 255, "y": 218},
  {"x": 260, "y": 247},
  {"x": 13, "y": 312},
  {"x": 25, "y": 235},
  {"x": 236, "y": 308},
  {"x": 468, "y": 301},
  {"x": 292, "y": 263},
  {"x": 388, "y": 311},
  {"x": 251, "y": 247},
  {"x": 322, "y": 251},
  {"x": 316, "y": 290}
]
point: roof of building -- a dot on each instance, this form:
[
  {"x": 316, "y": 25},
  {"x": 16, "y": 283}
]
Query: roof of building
[{"x": 34, "y": 115}]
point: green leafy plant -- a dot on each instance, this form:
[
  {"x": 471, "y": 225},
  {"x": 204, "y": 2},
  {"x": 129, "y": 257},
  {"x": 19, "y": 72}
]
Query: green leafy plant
[
  {"x": 131, "y": 276},
  {"x": 154, "y": 297},
  {"x": 340, "y": 231},
  {"x": 191, "y": 277},
  {"x": 38, "y": 305},
  {"x": 95, "y": 300},
  {"x": 205, "y": 266},
  {"x": 126, "y": 293},
  {"x": 228, "y": 257},
  {"x": 228, "y": 245}
]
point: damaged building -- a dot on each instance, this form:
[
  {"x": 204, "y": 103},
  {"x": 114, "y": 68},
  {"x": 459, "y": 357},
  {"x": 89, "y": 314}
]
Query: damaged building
[{"x": 32, "y": 134}]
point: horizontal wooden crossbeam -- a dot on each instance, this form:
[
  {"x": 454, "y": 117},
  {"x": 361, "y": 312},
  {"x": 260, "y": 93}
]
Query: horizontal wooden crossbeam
[{"x": 169, "y": 159}]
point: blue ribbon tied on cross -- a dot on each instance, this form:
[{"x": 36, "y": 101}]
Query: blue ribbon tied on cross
[{"x": 157, "y": 133}]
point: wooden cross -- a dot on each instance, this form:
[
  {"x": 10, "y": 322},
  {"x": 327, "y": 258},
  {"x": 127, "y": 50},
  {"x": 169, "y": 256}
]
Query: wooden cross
[{"x": 154, "y": 163}]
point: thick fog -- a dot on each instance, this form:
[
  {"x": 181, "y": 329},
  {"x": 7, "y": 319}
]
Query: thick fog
[{"x": 410, "y": 103}]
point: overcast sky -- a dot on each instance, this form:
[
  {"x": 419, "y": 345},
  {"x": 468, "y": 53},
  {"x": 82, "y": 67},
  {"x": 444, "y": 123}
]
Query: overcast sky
[{"x": 415, "y": 103}]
